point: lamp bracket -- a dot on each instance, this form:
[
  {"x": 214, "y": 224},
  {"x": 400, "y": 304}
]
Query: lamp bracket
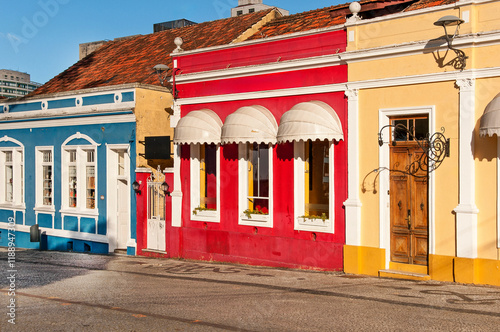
[{"x": 435, "y": 148}]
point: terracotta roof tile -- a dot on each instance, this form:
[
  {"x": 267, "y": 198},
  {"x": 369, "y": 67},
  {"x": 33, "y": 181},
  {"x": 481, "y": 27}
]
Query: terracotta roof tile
[
  {"x": 131, "y": 60},
  {"x": 335, "y": 15}
]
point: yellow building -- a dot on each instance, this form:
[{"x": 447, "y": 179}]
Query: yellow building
[{"x": 441, "y": 220}]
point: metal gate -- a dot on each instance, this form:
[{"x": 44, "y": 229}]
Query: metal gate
[{"x": 156, "y": 211}]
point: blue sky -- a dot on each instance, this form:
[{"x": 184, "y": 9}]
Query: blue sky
[{"x": 41, "y": 37}]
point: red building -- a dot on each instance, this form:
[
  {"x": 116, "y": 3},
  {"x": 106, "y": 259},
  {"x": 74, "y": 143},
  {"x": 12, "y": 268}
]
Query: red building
[{"x": 260, "y": 172}]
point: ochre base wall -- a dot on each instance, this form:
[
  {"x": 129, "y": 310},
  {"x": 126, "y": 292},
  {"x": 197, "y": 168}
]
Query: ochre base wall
[
  {"x": 369, "y": 261},
  {"x": 363, "y": 260}
]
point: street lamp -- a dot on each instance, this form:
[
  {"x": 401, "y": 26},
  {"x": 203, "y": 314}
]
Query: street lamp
[
  {"x": 165, "y": 188},
  {"x": 136, "y": 186},
  {"x": 449, "y": 21}
]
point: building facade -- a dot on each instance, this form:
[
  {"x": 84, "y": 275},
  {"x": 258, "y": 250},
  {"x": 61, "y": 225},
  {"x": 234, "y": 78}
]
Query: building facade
[
  {"x": 15, "y": 84},
  {"x": 261, "y": 158},
  {"x": 422, "y": 195},
  {"x": 67, "y": 165}
]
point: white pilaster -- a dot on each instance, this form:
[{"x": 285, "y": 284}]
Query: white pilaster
[
  {"x": 177, "y": 193},
  {"x": 353, "y": 203},
  {"x": 466, "y": 211}
]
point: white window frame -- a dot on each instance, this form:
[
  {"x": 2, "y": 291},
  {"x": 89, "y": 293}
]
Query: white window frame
[
  {"x": 207, "y": 216},
  {"x": 305, "y": 224},
  {"x": 81, "y": 183},
  {"x": 18, "y": 177},
  {"x": 256, "y": 219},
  {"x": 39, "y": 185}
]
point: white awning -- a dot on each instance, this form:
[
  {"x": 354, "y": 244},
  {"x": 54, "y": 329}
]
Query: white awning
[
  {"x": 490, "y": 121},
  {"x": 203, "y": 126},
  {"x": 310, "y": 120},
  {"x": 252, "y": 124}
]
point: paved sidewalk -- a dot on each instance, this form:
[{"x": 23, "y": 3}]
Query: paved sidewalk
[{"x": 202, "y": 295}]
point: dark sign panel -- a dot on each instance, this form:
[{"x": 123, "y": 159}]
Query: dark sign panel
[{"x": 158, "y": 147}]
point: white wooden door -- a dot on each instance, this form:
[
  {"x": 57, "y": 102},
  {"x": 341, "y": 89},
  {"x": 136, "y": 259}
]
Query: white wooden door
[
  {"x": 156, "y": 216},
  {"x": 122, "y": 214}
]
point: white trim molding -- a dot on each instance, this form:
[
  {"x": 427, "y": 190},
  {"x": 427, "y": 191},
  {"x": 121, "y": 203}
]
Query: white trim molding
[
  {"x": 206, "y": 216},
  {"x": 177, "y": 192},
  {"x": 466, "y": 211},
  {"x": 353, "y": 202},
  {"x": 305, "y": 224},
  {"x": 384, "y": 184},
  {"x": 256, "y": 220}
]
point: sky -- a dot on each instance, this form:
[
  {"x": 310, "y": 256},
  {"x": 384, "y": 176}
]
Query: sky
[{"x": 42, "y": 37}]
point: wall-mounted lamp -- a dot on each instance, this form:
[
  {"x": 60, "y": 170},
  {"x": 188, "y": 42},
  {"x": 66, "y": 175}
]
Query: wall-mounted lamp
[
  {"x": 165, "y": 188},
  {"x": 162, "y": 71},
  {"x": 449, "y": 21},
  {"x": 136, "y": 186}
]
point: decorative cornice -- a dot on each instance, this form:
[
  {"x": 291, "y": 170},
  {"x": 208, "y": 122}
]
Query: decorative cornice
[
  {"x": 357, "y": 85},
  {"x": 352, "y": 94}
]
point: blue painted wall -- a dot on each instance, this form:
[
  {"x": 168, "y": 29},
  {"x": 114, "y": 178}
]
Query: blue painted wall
[{"x": 115, "y": 133}]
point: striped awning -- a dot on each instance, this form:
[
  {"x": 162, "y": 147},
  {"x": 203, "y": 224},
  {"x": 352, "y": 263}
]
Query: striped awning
[
  {"x": 202, "y": 126},
  {"x": 310, "y": 121},
  {"x": 252, "y": 124}
]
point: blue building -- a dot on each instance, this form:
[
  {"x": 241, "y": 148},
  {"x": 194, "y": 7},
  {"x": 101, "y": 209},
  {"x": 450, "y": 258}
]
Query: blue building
[{"x": 67, "y": 163}]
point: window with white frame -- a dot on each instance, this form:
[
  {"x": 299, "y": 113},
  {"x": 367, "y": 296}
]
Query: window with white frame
[
  {"x": 44, "y": 177},
  {"x": 12, "y": 179},
  {"x": 205, "y": 181},
  {"x": 255, "y": 184},
  {"x": 314, "y": 199},
  {"x": 79, "y": 178}
]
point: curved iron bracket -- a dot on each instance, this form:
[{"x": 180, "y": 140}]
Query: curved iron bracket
[{"x": 435, "y": 148}]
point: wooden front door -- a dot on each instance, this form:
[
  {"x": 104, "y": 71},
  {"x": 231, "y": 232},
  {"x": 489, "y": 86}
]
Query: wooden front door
[{"x": 408, "y": 196}]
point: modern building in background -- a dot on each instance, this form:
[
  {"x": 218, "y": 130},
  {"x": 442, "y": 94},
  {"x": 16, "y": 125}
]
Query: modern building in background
[
  {"x": 252, "y": 6},
  {"x": 15, "y": 84}
]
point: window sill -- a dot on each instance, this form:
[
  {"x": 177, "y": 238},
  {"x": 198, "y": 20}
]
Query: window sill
[
  {"x": 12, "y": 206},
  {"x": 47, "y": 209},
  {"x": 79, "y": 213},
  {"x": 208, "y": 216},
  {"x": 314, "y": 225},
  {"x": 260, "y": 220}
]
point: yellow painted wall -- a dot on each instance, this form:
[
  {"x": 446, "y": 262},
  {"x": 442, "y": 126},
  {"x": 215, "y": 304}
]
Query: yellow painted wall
[
  {"x": 153, "y": 119},
  {"x": 401, "y": 30},
  {"x": 487, "y": 17},
  {"x": 370, "y": 102},
  {"x": 426, "y": 63},
  {"x": 420, "y": 27},
  {"x": 486, "y": 162},
  {"x": 444, "y": 96}
]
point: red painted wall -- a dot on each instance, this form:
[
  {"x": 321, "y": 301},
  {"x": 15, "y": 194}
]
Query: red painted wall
[
  {"x": 265, "y": 51},
  {"x": 280, "y": 246}
]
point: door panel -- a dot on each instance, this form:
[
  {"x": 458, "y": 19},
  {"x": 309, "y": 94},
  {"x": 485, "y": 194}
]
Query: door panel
[
  {"x": 408, "y": 206},
  {"x": 122, "y": 214}
]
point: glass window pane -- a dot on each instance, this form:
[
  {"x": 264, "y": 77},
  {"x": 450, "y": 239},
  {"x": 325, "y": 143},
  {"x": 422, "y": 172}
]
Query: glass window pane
[
  {"x": 121, "y": 163},
  {"x": 400, "y": 130},
  {"x": 47, "y": 185},
  {"x": 421, "y": 128},
  {"x": 208, "y": 176},
  {"x": 317, "y": 184},
  {"x": 9, "y": 183},
  {"x": 264, "y": 170},
  {"x": 72, "y": 186},
  {"x": 90, "y": 187}
]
